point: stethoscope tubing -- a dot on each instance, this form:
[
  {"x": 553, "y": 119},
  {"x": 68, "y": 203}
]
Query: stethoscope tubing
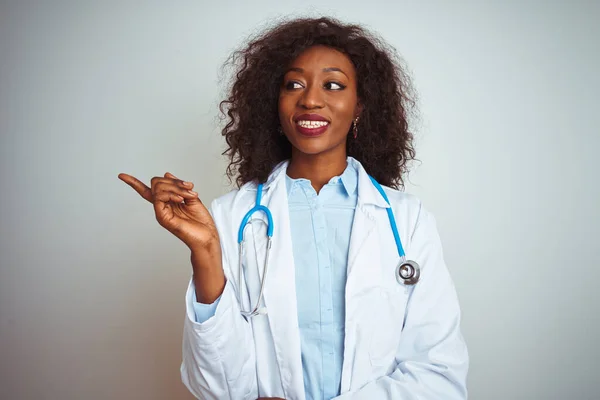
[{"x": 407, "y": 271}]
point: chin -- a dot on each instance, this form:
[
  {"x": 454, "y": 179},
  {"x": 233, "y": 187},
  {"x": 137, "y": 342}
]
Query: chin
[
  {"x": 315, "y": 146},
  {"x": 312, "y": 152}
]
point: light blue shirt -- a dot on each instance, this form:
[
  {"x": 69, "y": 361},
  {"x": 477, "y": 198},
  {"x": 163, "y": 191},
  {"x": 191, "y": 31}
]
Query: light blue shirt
[{"x": 320, "y": 228}]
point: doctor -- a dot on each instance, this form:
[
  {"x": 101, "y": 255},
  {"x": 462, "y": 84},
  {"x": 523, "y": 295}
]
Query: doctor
[{"x": 317, "y": 109}]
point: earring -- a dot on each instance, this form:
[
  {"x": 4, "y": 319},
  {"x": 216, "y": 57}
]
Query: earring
[
  {"x": 355, "y": 127},
  {"x": 280, "y": 130}
]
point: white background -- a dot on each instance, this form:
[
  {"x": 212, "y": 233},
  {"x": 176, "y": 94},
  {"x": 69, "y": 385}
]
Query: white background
[{"x": 92, "y": 289}]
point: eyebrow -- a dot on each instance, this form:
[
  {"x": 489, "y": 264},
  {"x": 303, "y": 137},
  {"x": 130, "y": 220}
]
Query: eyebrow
[{"x": 328, "y": 69}]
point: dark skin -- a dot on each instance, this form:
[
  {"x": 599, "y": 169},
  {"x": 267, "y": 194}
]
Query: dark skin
[
  {"x": 179, "y": 210},
  {"x": 320, "y": 81}
]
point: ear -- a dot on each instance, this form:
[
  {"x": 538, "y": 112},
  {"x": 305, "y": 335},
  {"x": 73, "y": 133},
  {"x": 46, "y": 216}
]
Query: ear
[{"x": 358, "y": 109}]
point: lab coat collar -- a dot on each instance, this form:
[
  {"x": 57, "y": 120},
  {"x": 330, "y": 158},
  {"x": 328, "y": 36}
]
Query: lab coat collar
[{"x": 367, "y": 192}]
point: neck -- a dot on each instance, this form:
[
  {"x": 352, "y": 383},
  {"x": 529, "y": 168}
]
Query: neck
[{"x": 318, "y": 169}]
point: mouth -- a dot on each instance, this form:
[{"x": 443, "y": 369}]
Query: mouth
[{"x": 311, "y": 125}]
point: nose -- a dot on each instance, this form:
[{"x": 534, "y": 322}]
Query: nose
[{"x": 312, "y": 97}]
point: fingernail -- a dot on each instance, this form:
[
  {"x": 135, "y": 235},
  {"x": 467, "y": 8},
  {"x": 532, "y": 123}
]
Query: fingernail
[
  {"x": 187, "y": 183},
  {"x": 192, "y": 192}
]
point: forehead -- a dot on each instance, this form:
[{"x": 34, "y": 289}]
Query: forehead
[{"x": 316, "y": 58}]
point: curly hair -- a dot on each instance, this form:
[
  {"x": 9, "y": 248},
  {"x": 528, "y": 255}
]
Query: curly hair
[{"x": 384, "y": 145}]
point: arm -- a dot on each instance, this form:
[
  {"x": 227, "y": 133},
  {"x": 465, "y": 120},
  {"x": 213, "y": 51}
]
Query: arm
[
  {"x": 218, "y": 354},
  {"x": 432, "y": 355}
]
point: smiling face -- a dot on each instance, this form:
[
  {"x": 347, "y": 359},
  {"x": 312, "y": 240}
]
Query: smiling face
[{"x": 318, "y": 101}]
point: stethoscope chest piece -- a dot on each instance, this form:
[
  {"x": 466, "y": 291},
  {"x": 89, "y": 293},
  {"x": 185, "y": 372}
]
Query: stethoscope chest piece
[{"x": 408, "y": 272}]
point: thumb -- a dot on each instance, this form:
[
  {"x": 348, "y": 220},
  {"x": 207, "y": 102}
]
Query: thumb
[
  {"x": 193, "y": 202},
  {"x": 197, "y": 208}
]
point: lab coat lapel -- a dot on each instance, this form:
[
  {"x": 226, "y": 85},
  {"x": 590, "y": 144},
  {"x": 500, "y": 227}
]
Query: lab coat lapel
[
  {"x": 364, "y": 249},
  {"x": 363, "y": 257},
  {"x": 280, "y": 291},
  {"x": 362, "y": 252}
]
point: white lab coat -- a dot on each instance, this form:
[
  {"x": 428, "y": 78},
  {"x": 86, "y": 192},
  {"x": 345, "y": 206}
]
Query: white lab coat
[{"x": 400, "y": 342}]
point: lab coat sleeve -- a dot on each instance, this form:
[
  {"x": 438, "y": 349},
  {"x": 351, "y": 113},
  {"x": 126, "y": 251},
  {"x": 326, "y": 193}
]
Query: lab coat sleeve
[
  {"x": 219, "y": 353},
  {"x": 432, "y": 355}
]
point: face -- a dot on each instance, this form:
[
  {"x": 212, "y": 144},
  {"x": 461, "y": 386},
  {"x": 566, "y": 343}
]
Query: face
[{"x": 318, "y": 101}]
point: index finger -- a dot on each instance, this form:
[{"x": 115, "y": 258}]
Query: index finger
[{"x": 138, "y": 186}]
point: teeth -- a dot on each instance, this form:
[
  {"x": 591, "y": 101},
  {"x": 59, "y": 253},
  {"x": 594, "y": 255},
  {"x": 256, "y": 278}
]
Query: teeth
[{"x": 312, "y": 124}]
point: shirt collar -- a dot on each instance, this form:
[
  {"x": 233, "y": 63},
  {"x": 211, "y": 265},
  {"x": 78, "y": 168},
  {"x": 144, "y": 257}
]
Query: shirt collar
[
  {"x": 349, "y": 179},
  {"x": 367, "y": 193}
]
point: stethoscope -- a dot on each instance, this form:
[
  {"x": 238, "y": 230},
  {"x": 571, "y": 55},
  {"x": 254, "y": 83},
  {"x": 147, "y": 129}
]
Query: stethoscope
[{"x": 407, "y": 271}]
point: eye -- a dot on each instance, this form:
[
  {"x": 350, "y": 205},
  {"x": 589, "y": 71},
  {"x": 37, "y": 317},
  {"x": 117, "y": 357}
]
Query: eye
[
  {"x": 292, "y": 85},
  {"x": 334, "y": 86}
]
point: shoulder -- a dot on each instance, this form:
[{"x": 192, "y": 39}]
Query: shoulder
[
  {"x": 234, "y": 204},
  {"x": 407, "y": 203},
  {"x": 246, "y": 195},
  {"x": 409, "y": 209},
  {"x": 400, "y": 198},
  {"x": 225, "y": 204},
  {"x": 225, "y": 200}
]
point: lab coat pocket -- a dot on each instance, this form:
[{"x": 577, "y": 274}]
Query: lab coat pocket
[{"x": 386, "y": 324}]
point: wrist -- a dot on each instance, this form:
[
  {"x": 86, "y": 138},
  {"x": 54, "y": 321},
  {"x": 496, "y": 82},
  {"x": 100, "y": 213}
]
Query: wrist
[
  {"x": 208, "y": 275},
  {"x": 201, "y": 249},
  {"x": 206, "y": 257}
]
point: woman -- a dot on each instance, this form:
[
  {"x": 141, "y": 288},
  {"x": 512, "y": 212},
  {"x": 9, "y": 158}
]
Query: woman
[{"x": 316, "y": 108}]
